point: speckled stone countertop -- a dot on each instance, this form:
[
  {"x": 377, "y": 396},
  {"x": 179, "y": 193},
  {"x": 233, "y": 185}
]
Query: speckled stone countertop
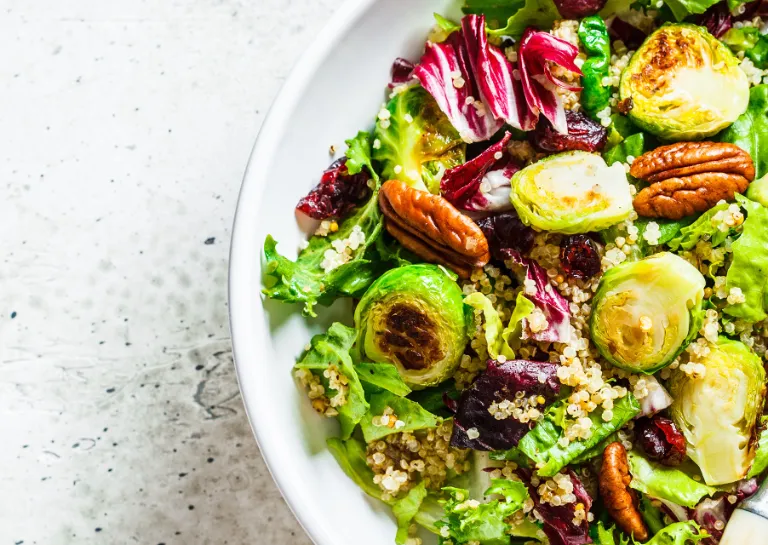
[{"x": 125, "y": 128}]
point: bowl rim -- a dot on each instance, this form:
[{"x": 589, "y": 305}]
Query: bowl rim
[{"x": 239, "y": 277}]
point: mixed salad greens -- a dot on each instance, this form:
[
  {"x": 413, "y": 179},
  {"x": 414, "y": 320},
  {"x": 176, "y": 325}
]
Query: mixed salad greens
[{"x": 555, "y": 240}]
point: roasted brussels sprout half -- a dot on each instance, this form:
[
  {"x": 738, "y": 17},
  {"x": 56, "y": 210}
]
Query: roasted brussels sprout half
[
  {"x": 717, "y": 412},
  {"x": 414, "y": 317},
  {"x": 646, "y": 312},
  {"x": 684, "y": 84},
  {"x": 572, "y": 192}
]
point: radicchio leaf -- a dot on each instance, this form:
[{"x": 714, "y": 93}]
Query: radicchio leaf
[
  {"x": 482, "y": 184},
  {"x": 558, "y": 520},
  {"x": 337, "y": 193},
  {"x": 711, "y": 511},
  {"x": 501, "y": 381},
  {"x": 657, "y": 399},
  {"x": 402, "y": 72},
  {"x": 627, "y": 33},
  {"x": 537, "y": 50},
  {"x": 506, "y": 232},
  {"x": 539, "y": 290},
  {"x": 473, "y": 83},
  {"x": 717, "y": 19}
]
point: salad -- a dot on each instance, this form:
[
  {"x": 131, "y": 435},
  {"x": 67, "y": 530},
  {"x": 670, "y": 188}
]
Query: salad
[{"x": 554, "y": 239}]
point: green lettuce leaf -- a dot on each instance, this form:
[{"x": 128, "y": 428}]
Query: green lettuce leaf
[
  {"x": 431, "y": 399},
  {"x": 749, "y": 269},
  {"x": 406, "y": 509},
  {"x": 539, "y": 14},
  {"x": 417, "y": 143},
  {"x": 607, "y": 536},
  {"x": 633, "y": 145},
  {"x": 510, "y": 337},
  {"x": 701, "y": 229},
  {"x": 541, "y": 444},
  {"x": 593, "y": 35},
  {"x": 612, "y": 7},
  {"x": 651, "y": 514},
  {"x": 446, "y": 25},
  {"x": 514, "y": 454},
  {"x": 758, "y": 191},
  {"x": 761, "y": 455},
  {"x": 409, "y": 412},
  {"x": 749, "y": 41},
  {"x": 304, "y": 280},
  {"x": 750, "y": 131},
  {"x": 666, "y": 483},
  {"x": 381, "y": 376},
  {"x": 332, "y": 348},
  {"x": 350, "y": 456},
  {"x": 486, "y": 522},
  {"x": 683, "y": 8},
  {"x": 680, "y": 533},
  {"x": 493, "y": 323}
]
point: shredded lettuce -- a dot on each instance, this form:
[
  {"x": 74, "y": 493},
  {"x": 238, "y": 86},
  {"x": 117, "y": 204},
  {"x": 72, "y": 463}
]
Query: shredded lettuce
[
  {"x": 304, "y": 280},
  {"x": 493, "y": 324},
  {"x": 484, "y": 522},
  {"x": 666, "y": 483},
  {"x": 332, "y": 348},
  {"x": 750, "y": 131},
  {"x": 406, "y": 509},
  {"x": 749, "y": 269},
  {"x": 413, "y": 416},
  {"x": 381, "y": 376},
  {"x": 541, "y": 444}
]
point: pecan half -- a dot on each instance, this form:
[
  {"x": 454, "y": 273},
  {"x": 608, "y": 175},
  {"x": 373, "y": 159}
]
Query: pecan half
[
  {"x": 432, "y": 228},
  {"x": 619, "y": 499},
  {"x": 690, "y": 177}
]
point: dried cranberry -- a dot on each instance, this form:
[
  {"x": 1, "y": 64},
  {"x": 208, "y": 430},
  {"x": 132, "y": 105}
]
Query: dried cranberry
[
  {"x": 661, "y": 440},
  {"x": 402, "y": 71},
  {"x": 583, "y": 134},
  {"x": 576, "y": 9},
  {"x": 505, "y": 231},
  {"x": 627, "y": 33},
  {"x": 717, "y": 19},
  {"x": 580, "y": 256},
  {"x": 337, "y": 193}
]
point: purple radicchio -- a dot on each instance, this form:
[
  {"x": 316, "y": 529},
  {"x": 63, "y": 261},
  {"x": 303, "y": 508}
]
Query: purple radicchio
[
  {"x": 632, "y": 36},
  {"x": 537, "y": 52},
  {"x": 337, "y": 193},
  {"x": 717, "y": 19},
  {"x": 539, "y": 290},
  {"x": 558, "y": 520},
  {"x": 506, "y": 232},
  {"x": 473, "y": 83},
  {"x": 402, "y": 72},
  {"x": 657, "y": 399},
  {"x": 483, "y": 183},
  {"x": 499, "y": 383}
]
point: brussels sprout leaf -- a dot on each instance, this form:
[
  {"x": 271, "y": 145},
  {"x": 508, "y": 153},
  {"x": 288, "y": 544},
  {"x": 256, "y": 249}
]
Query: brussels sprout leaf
[
  {"x": 381, "y": 376},
  {"x": 750, "y": 131},
  {"x": 487, "y": 522},
  {"x": 305, "y": 280},
  {"x": 593, "y": 35},
  {"x": 332, "y": 348},
  {"x": 417, "y": 142},
  {"x": 406, "y": 508},
  {"x": 666, "y": 483},
  {"x": 541, "y": 444},
  {"x": 761, "y": 455},
  {"x": 413, "y": 416},
  {"x": 493, "y": 324},
  {"x": 749, "y": 269}
]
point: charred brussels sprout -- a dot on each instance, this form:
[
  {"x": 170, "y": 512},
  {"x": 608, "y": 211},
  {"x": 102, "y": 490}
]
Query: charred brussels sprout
[
  {"x": 684, "y": 84},
  {"x": 646, "y": 312},
  {"x": 573, "y": 192},
  {"x": 414, "y": 317},
  {"x": 717, "y": 412},
  {"x": 415, "y": 142}
]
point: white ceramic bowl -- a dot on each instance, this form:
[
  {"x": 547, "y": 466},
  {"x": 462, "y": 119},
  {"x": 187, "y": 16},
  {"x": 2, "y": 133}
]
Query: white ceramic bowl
[{"x": 335, "y": 90}]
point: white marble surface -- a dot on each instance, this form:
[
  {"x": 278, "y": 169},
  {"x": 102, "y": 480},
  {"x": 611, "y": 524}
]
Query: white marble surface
[{"x": 125, "y": 128}]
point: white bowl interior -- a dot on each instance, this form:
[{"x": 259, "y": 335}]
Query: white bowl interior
[{"x": 335, "y": 90}]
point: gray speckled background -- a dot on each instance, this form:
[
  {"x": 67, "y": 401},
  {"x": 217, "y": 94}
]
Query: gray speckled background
[{"x": 125, "y": 128}]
